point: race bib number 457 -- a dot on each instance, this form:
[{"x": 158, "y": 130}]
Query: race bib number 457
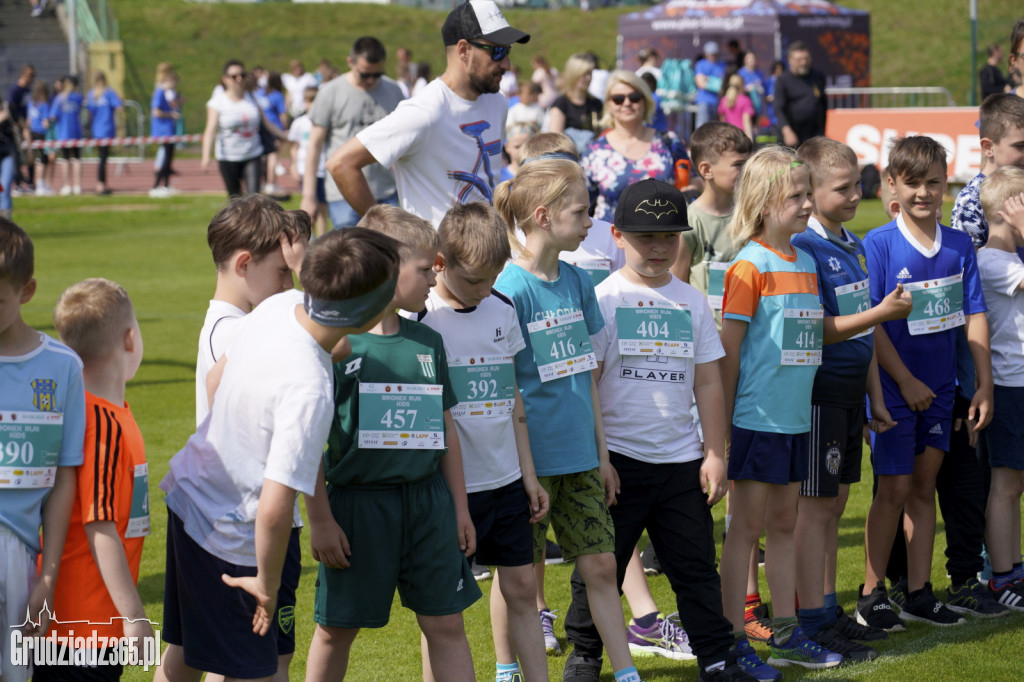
[{"x": 401, "y": 416}]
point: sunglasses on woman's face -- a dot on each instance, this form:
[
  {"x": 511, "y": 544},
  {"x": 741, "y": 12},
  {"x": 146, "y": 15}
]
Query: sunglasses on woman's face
[
  {"x": 237, "y": 75},
  {"x": 633, "y": 97}
]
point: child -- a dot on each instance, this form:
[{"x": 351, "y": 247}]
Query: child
[
  {"x": 66, "y": 117},
  {"x": 558, "y": 313},
  {"x": 39, "y": 124},
  {"x": 1002, "y": 279},
  {"x": 110, "y": 517},
  {"x": 231, "y": 490},
  {"x": 40, "y": 385},
  {"x": 734, "y": 107},
  {"x": 103, "y": 105},
  {"x": 917, "y": 359},
  {"x": 668, "y": 482},
  {"x": 772, "y": 331},
  {"x": 298, "y": 135},
  {"x": 504, "y": 495},
  {"x": 515, "y": 136},
  {"x": 837, "y": 399},
  {"x": 400, "y": 497}
]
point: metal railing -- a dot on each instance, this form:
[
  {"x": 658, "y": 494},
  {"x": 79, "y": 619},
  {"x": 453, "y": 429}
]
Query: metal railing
[{"x": 888, "y": 98}]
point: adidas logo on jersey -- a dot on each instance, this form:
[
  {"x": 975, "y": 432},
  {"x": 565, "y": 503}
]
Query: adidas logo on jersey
[
  {"x": 936, "y": 430},
  {"x": 903, "y": 274}
]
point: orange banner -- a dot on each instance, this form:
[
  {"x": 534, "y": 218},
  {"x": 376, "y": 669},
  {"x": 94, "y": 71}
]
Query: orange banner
[{"x": 870, "y": 133}]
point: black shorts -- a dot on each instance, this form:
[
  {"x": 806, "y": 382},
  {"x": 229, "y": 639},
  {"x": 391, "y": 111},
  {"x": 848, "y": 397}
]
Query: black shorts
[
  {"x": 837, "y": 435},
  {"x": 75, "y": 673},
  {"x": 71, "y": 152},
  {"x": 504, "y": 536}
]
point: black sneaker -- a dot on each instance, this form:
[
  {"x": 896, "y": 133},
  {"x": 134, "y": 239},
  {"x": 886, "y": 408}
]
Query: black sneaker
[
  {"x": 851, "y": 629},
  {"x": 729, "y": 672},
  {"x": 898, "y": 594},
  {"x": 580, "y": 668},
  {"x": 650, "y": 561},
  {"x": 1011, "y": 596},
  {"x": 853, "y": 652},
  {"x": 875, "y": 611},
  {"x": 923, "y": 606},
  {"x": 974, "y": 599},
  {"x": 552, "y": 553}
]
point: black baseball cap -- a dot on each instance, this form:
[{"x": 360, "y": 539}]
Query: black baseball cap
[
  {"x": 480, "y": 19},
  {"x": 651, "y": 206}
]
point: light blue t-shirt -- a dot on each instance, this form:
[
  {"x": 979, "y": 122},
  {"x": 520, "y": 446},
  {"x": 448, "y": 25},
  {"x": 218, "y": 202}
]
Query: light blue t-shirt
[
  {"x": 559, "y": 412},
  {"x": 67, "y": 112},
  {"x": 45, "y": 380},
  {"x": 101, "y": 111}
]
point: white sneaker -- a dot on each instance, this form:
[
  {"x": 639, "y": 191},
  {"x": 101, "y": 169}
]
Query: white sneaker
[
  {"x": 171, "y": 192},
  {"x": 76, "y": 190},
  {"x": 280, "y": 170},
  {"x": 159, "y": 193},
  {"x": 65, "y": 191}
]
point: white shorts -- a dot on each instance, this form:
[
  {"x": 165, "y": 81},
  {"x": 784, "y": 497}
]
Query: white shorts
[{"x": 18, "y": 575}]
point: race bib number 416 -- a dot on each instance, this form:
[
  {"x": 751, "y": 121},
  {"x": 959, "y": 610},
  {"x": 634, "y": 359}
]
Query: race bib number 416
[
  {"x": 561, "y": 346},
  {"x": 401, "y": 416},
  {"x": 30, "y": 448}
]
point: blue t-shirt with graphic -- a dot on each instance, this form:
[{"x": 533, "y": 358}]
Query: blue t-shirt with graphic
[
  {"x": 38, "y": 112},
  {"x": 159, "y": 126},
  {"x": 101, "y": 110},
  {"x": 67, "y": 113}
]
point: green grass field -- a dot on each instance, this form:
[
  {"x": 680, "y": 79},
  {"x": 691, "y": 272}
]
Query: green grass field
[{"x": 157, "y": 250}]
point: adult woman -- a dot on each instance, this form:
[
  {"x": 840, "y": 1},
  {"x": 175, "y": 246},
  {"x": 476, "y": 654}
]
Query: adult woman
[
  {"x": 233, "y": 122},
  {"x": 544, "y": 76},
  {"x": 576, "y": 111},
  {"x": 629, "y": 150},
  {"x": 102, "y": 105}
]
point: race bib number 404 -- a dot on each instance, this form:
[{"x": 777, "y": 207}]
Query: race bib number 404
[
  {"x": 30, "y": 448},
  {"x": 938, "y": 305},
  {"x": 561, "y": 346},
  {"x": 484, "y": 384},
  {"x": 401, "y": 416},
  {"x": 655, "y": 328}
]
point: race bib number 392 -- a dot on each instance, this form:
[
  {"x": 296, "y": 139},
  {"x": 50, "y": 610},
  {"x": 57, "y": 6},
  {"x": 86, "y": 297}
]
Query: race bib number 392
[
  {"x": 401, "y": 416},
  {"x": 484, "y": 384},
  {"x": 30, "y": 448},
  {"x": 561, "y": 346}
]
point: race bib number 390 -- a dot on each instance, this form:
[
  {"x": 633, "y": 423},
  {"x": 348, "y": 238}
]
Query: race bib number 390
[
  {"x": 485, "y": 385},
  {"x": 561, "y": 346},
  {"x": 938, "y": 305},
  {"x": 401, "y": 416},
  {"x": 30, "y": 448},
  {"x": 803, "y": 333},
  {"x": 655, "y": 328}
]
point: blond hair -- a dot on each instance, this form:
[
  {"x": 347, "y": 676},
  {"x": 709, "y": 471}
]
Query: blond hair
[
  {"x": 576, "y": 67},
  {"x": 412, "y": 232},
  {"x": 634, "y": 81},
  {"x": 548, "y": 143},
  {"x": 765, "y": 181},
  {"x": 542, "y": 182},
  {"x": 996, "y": 188},
  {"x": 474, "y": 235},
  {"x": 823, "y": 155},
  {"x": 733, "y": 89},
  {"x": 92, "y": 316}
]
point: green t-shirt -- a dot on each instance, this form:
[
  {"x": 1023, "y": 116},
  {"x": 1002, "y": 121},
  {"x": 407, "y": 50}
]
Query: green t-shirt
[
  {"x": 711, "y": 250},
  {"x": 390, "y": 396}
]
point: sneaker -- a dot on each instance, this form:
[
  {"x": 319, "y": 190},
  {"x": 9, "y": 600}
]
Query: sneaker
[
  {"x": 37, "y": 11},
  {"x": 852, "y": 652},
  {"x": 1011, "y": 596},
  {"x": 803, "y": 652},
  {"x": 552, "y": 553},
  {"x": 875, "y": 611},
  {"x": 974, "y": 599},
  {"x": 579, "y": 668},
  {"x": 650, "y": 561},
  {"x": 76, "y": 190},
  {"x": 43, "y": 191},
  {"x": 898, "y": 594},
  {"x": 155, "y": 193},
  {"x": 515, "y": 676},
  {"x": 751, "y": 664},
  {"x": 171, "y": 192},
  {"x": 65, "y": 191},
  {"x": 480, "y": 572},
  {"x": 663, "y": 638},
  {"x": 925, "y": 608},
  {"x": 547, "y": 626},
  {"x": 851, "y": 629},
  {"x": 759, "y": 628}
]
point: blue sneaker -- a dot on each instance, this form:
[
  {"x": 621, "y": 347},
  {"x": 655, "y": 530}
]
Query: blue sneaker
[
  {"x": 801, "y": 651},
  {"x": 751, "y": 664}
]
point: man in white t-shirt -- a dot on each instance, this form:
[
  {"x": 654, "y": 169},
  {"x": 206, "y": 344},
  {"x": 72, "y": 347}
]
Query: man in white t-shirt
[
  {"x": 342, "y": 108},
  {"x": 444, "y": 144}
]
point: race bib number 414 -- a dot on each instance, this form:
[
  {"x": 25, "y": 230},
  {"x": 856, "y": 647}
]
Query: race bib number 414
[
  {"x": 561, "y": 346},
  {"x": 30, "y": 448},
  {"x": 401, "y": 416}
]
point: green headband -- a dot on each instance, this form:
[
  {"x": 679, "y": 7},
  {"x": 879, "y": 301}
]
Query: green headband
[{"x": 351, "y": 312}]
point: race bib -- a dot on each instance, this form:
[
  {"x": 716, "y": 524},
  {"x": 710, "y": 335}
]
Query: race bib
[
  {"x": 561, "y": 346},
  {"x": 401, "y": 416},
  {"x": 485, "y": 385},
  {"x": 716, "y": 283},
  {"x": 803, "y": 332},
  {"x": 854, "y": 298},
  {"x": 655, "y": 328},
  {"x": 938, "y": 305},
  {"x": 597, "y": 268},
  {"x": 30, "y": 448},
  {"x": 138, "y": 520}
]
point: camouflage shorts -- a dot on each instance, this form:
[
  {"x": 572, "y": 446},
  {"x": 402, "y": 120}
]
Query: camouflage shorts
[{"x": 579, "y": 516}]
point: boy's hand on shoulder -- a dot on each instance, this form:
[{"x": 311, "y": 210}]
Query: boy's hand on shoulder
[
  {"x": 881, "y": 421},
  {"x": 329, "y": 544},
  {"x": 916, "y": 394},
  {"x": 610, "y": 480},
  {"x": 466, "y": 532},
  {"x": 538, "y": 498},
  {"x": 713, "y": 480},
  {"x": 897, "y": 305},
  {"x": 293, "y": 250},
  {"x": 266, "y": 602}
]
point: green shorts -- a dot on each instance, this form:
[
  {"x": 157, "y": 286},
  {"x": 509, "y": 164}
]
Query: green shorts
[
  {"x": 401, "y": 536},
  {"x": 579, "y": 516}
]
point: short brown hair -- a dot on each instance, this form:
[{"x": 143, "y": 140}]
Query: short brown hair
[
  {"x": 911, "y": 157},
  {"x": 823, "y": 155},
  {"x": 996, "y": 188},
  {"x": 254, "y": 224},
  {"x": 548, "y": 143},
  {"x": 347, "y": 263},
  {"x": 474, "y": 235},
  {"x": 1000, "y": 113},
  {"x": 715, "y": 138},
  {"x": 17, "y": 254},
  {"x": 92, "y": 315},
  {"x": 411, "y": 232}
]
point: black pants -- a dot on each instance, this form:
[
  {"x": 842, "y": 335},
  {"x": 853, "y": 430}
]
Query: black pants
[
  {"x": 666, "y": 499},
  {"x": 101, "y": 169},
  {"x": 234, "y": 172},
  {"x": 164, "y": 174}
]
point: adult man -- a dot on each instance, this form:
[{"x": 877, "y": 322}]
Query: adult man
[
  {"x": 800, "y": 102},
  {"x": 444, "y": 144},
  {"x": 342, "y": 108},
  {"x": 707, "y": 76},
  {"x": 17, "y": 99}
]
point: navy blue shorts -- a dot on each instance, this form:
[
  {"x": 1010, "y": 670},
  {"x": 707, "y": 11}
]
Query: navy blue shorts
[
  {"x": 1004, "y": 437},
  {"x": 504, "y": 536},
  {"x": 211, "y": 621},
  {"x": 321, "y": 191},
  {"x": 893, "y": 453},
  {"x": 779, "y": 458}
]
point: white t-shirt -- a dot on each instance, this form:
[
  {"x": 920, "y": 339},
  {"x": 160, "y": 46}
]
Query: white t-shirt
[
  {"x": 489, "y": 455},
  {"x": 598, "y": 248},
  {"x": 1001, "y": 273},
  {"x": 296, "y": 87},
  {"x": 269, "y": 420},
  {"x": 238, "y": 127},
  {"x": 216, "y": 335},
  {"x": 645, "y": 401},
  {"x": 524, "y": 113},
  {"x": 299, "y": 132},
  {"x": 433, "y": 144}
]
